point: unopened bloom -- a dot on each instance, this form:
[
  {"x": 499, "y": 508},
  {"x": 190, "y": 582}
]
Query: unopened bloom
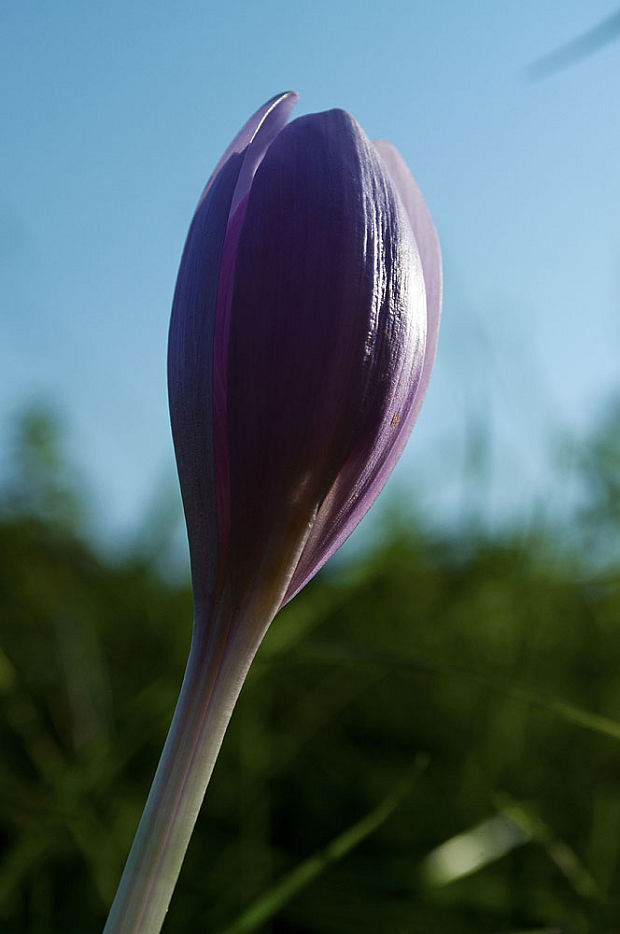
[{"x": 302, "y": 337}]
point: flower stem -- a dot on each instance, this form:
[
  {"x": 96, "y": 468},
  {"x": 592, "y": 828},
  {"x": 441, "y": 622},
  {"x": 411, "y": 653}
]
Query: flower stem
[{"x": 211, "y": 685}]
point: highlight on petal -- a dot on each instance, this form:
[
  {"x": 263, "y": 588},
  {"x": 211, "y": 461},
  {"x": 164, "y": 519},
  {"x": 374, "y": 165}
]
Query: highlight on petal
[{"x": 428, "y": 245}]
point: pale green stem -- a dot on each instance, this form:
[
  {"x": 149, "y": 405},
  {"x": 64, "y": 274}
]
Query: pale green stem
[
  {"x": 221, "y": 653},
  {"x": 212, "y": 682}
]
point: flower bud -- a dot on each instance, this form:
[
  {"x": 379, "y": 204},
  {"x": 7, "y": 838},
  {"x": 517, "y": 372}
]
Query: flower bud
[{"x": 302, "y": 338}]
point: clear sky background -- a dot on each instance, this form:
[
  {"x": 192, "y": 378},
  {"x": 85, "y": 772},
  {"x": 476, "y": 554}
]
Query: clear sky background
[{"x": 112, "y": 117}]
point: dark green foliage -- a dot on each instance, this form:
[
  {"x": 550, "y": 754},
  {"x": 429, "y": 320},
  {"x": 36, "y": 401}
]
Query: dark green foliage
[{"x": 495, "y": 661}]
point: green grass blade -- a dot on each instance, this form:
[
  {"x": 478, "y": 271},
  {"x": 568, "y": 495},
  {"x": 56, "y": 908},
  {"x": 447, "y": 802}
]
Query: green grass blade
[
  {"x": 267, "y": 904},
  {"x": 590, "y": 721},
  {"x": 557, "y": 850}
]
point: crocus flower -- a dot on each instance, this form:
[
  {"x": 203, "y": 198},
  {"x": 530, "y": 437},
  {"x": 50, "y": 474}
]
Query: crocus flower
[{"x": 302, "y": 337}]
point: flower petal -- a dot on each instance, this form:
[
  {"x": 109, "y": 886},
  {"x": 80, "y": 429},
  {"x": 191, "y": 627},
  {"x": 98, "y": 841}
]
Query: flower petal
[
  {"x": 349, "y": 499},
  {"x": 428, "y": 245},
  {"x": 190, "y": 373},
  {"x": 193, "y": 330},
  {"x": 327, "y": 335},
  {"x": 276, "y": 110},
  {"x": 265, "y": 132}
]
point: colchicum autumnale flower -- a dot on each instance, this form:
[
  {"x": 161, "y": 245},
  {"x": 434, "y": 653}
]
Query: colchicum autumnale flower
[{"x": 302, "y": 337}]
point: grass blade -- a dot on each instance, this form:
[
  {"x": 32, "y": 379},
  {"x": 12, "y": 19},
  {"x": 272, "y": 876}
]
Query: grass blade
[
  {"x": 267, "y": 904},
  {"x": 557, "y": 850}
]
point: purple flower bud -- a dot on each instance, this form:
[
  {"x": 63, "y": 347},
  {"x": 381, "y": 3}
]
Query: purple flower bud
[{"x": 302, "y": 338}]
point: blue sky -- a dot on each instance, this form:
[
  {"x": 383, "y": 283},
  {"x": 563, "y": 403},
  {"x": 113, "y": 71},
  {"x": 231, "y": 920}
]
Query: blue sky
[{"x": 113, "y": 116}]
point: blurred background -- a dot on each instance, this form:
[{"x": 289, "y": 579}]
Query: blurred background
[{"x": 429, "y": 740}]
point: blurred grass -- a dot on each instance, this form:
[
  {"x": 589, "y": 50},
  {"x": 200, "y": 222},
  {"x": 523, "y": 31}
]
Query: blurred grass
[
  {"x": 495, "y": 657},
  {"x": 271, "y": 901}
]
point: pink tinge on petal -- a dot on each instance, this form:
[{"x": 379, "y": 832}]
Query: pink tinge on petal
[
  {"x": 276, "y": 111},
  {"x": 266, "y": 131},
  {"x": 220, "y": 353},
  {"x": 259, "y": 132}
]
